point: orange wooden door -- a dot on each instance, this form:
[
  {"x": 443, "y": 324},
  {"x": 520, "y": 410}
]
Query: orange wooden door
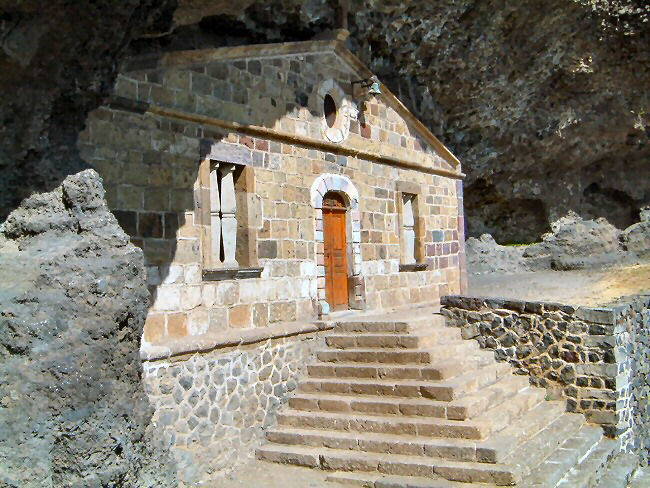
[{"x": 336, "y": 262}]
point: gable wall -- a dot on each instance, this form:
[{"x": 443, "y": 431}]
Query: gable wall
[{"x": 279, "y": 93}]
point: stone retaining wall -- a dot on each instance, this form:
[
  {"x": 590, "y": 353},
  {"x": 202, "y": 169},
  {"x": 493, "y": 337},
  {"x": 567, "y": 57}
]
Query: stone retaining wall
[
  {"x": 212, "y": 408},
  {"x": 598, "y": 358}
]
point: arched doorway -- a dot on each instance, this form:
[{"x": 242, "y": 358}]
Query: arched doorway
[{"x": 335, "y": 251}]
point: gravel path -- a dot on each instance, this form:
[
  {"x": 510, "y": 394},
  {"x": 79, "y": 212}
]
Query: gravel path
[{"x": 570, "y": 287}]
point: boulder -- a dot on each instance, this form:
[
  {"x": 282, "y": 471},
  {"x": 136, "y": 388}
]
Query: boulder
[
  {"x": 73, "y": 302},
  {"x": 636, "y": 238}
]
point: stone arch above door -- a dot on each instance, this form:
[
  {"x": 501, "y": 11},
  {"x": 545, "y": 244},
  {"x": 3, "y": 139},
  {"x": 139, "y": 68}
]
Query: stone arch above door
[{"x": 343, "y": 185}]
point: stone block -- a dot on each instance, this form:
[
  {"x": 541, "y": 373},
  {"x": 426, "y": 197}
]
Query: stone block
[
  {"x": 260, "y": 315},
  {"x": 240, "y": 316},
  {"x": 150, "y": 224},
  {"x": 154, "y": 328},
  {"x": 596, "y": 315},
  {"x": 167, "y": 298},
  {"x": 199, "y": 321},
  {"x": 177, "y": 325},
  {"x": 282, "y": 312}
]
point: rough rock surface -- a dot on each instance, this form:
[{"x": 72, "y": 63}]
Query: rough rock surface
[
  {"x": 574, "y": 243},
  {"x": 636, "y": 238},
  {"x": 58, "y": 60},
  {"x": 73, "y": 411},
  {"x": 484, "y": 255}
]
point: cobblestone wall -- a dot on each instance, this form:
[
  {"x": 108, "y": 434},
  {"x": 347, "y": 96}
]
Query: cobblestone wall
[
  {"x": 599, "y": 358},
  {"x": 212, "y": 408},
  {"x": 632, "y": 318}
]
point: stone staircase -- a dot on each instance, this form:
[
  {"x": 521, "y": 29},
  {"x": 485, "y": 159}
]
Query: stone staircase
[{"x": 402, "y": 400}]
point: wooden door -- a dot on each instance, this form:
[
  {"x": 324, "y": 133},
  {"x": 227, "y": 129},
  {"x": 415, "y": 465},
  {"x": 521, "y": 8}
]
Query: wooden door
[{"x": 336, "y": 262}]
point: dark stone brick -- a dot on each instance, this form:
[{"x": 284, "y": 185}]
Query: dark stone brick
[
  {"x": 128, "y": 221},
  {"x": 151, "y": 157},
  {"x": 302, "y": 99},
  {"x": 171, "y": 224},
  {"x": 438, "y": 236},
  {"x": 366, "y": 131},
  {"x": 150, "y": 224},
  {"x": 267, "y": 249},
  {"x": 255, "y": 67}
]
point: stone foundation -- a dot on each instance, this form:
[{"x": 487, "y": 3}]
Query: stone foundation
[
  {"x": 212, "y": 407},
  {"x": 598, "y": 358}
]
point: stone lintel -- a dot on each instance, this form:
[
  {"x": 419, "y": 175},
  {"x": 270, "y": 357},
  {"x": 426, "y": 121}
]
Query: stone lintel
[
  {"x": 231, "y": 274},
  {"x": 228, "y": 338},
  {"x": 225, "y": 152},
  {"x": 413, "y": 267},
  {"x": 408, "y": 187}
]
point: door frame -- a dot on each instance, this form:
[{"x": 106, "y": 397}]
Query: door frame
[
  {"x": 342, "y": 185},
  {"x": 339, "y": 209}
]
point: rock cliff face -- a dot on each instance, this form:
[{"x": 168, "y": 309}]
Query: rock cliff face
[
  {"x": 73, "y": 411},
  {"x": 57, "y": 62}
]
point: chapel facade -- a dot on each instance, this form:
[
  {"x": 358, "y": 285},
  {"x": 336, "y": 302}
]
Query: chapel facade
[{"x": 269, "y": 187}]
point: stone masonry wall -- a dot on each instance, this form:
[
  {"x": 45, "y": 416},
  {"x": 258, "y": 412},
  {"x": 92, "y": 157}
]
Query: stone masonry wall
[
  {"x": 150, "y": 165},
  {"x": 596, "y": 357},
  {"x": 632, "y": 330},
  {"x": 212, "y": 408}
]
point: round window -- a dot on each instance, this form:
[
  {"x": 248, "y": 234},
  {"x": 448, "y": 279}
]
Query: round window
[
  {"x": 335, "y": 116},
  {"x": 329, "y": 108}
]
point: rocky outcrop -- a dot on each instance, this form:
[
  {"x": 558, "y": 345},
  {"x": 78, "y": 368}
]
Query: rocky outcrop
[
  {"x": 73, "y": 301},
  {"x": 484, "y": 255},
  {"x": 636, "y": 238},
  {"x": 574, "y": 243}
]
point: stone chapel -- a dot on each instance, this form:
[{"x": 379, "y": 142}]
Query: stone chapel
[{"x": 270, "y": 187}]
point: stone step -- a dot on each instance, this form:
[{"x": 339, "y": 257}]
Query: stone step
[
  {"x": 502, "y": 415},
  {"x": 461, "y": 409},
  {"x": 475, "y": 403},
  {"x": 446, "y": 390},
  {"x": 438, "y": 370},
  {"x": 546, "y": 458},
  {"x": 446, "y": 448},
  {"x": 454, "y": 349},
  {"x": 619, "y": 472},
  {"x": 590, "y": 468},
  {"x": 372, "y": 404},
  {"x": 376, "y": 480},
  {"x": 363, "y": 326},
  {"x": 411, "y": 340},
  {"x": 391, "y": 464},
  {"x": 383, "y": 424},
  {"x": 515, "y": 436}
]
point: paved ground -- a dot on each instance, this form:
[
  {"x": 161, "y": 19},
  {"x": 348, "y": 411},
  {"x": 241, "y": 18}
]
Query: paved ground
[
  {"x": 570, "y": 287},
  {"x": 260, "y": 474}
]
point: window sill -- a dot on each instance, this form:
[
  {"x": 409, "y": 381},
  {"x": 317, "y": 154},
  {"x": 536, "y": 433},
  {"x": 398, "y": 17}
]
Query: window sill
[
  {"x": 231, "y": 274},
  {"x": 413, "y": 267}
]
